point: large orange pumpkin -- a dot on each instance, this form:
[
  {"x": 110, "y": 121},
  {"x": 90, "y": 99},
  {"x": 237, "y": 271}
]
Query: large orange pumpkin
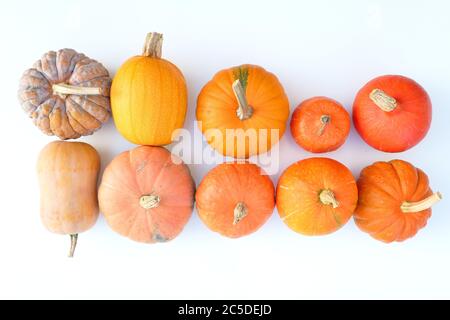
[
  {"x": 235, "y": 199},
  {"x": 395, "y": 200},
  {"x": 320, "y": 124},
  {"x": 248, "y": 102},
  {"x": 67, "y": 173},
  {"x": 316, "y": 196},
  {"x": 147, "y": 194},
  {"x": 149, "y": 96},
  {"x": 392, "y": 113}
]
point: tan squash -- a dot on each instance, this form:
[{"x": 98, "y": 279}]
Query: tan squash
[
  {"x": 66, "y": 94},
  {"x": 67, "y": 173}
]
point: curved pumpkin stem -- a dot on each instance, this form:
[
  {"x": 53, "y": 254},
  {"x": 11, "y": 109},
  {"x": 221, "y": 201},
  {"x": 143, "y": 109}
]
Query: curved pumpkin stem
[
  {"x": 63, "y": 89},
  {"x": 153, "y": 45},
  {"x": 240, "y": 212},
  {"x": 244, "y": 111},
  {"x": 411, "y": 207},
  {"x": 326, "y": 196},
  {"x": 325, "y": 120},
  {"x": 73, "y": 244},
  {"x": 384, "y": 101}
]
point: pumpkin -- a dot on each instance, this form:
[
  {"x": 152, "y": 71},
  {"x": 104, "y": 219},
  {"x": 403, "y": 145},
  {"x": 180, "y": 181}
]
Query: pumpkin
[
  {"x": 66, "y": 94},
  {"x": 235, "y": 199},
  {"x": 147, "y": 194},
  {"x": 149, "y": 96},
  {"x": 242, "y": 111},
  {"x": 395, "y": 200},
  {"x": 392, "y": 113},
  {"x": 320, "y": 124},
  {"x": 316, "y": 196},
  {"x": 67, "y": 173}
]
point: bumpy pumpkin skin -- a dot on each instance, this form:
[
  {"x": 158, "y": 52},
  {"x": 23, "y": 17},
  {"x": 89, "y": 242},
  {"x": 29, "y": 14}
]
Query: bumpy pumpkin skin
[
  {"x": 228, "y": 185},
  {"x": 149, "y": 100},
  {"x": 125, "y": 193},
  {"x": 383, "y": 188},
  {"x": 67, "y": 173},
  {"x": 66, "y": 116},
  {"x": 299, "y": 201},
  {"x": 217, "y": 105}
]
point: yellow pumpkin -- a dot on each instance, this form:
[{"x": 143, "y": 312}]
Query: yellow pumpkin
[
  {"x": 149, "y": 96},
  {"x": 67, "y": 173}
]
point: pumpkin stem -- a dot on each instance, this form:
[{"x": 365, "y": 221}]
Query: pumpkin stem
[
  {"x": 240, "y": 212},
  {"x": 411, "y": 207},
  {"x": 384, "y": 101},
  {"x": 326, "y": 196},
  {"x": 63, "y": 89},
  {"x": 149, "y": 201},
  {"x": 153, "y": 45},
  {"x": 325, "y": 120},
  {"x": 244, "y": 111},
  {"x": 73, "y": 244}
]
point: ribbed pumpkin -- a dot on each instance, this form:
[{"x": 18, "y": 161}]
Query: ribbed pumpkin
[
  {"x": 147, "y": 194},
  {"x": 316, "y": 196},
  {"x": 248, "y": 102},
  {"x": 66, "y": 94},
  {"x": 395, "y": 200},
  {"x": 392, "y": 113},
  {"x": 149, "y": 96},
  {"x": 235, "y": 199},
  {"x": 67, "y": 173}
]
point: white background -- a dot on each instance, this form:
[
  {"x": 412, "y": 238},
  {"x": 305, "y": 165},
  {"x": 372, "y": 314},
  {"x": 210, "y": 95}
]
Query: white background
[{"x": 327, "y": 48}]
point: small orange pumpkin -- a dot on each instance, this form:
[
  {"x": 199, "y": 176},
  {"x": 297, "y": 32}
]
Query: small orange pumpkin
[
  {"x": 149, "y": 96},
  {"x": 316, "y": 196},
  {"x": 235, "y": 199},
  {"x": 67, "y": 173},
  {"x": 147, "y": 194},
  {"x": 395, "y": 200},
  {"x": 320, "y": 124},
  {"x": 248, "y": 102}
]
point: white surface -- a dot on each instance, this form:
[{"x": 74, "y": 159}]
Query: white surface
[{"x": 326, "y": 48}]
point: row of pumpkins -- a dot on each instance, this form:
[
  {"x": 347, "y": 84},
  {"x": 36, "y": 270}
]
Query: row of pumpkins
[{"x": 147, "y": 194}]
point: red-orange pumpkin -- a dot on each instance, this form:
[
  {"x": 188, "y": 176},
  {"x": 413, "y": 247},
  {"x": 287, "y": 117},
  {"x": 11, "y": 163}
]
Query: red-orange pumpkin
[
  {"x": 147, "y": 194},
  {"x": 392, "y": 113},
  {"x": 394, "y": 200},
  {"x": 320, "y": 124},
  {"x": 235, "y": 199}
]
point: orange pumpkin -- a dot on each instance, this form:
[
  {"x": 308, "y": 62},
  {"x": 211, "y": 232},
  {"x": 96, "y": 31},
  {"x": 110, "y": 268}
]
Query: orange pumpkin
[
  {"x": 149, "y": 96},
  {"x": 67, "y": 173},
  {"x": 392, "y": 113},
  {"x": 320, "y": 124},
  {"x": 395, "y": 200},
  {"x": 235, "y": 199},
  {"x": 147, "y": 194},
  {"x": 316, "y": 196},
  {"x": 248, "y": 102}
]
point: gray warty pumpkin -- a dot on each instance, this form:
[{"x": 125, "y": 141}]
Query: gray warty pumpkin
[{"x": 66, "y": 94}]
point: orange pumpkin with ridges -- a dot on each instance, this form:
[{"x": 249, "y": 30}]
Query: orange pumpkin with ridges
[
  {"x": 250, "y": 104},
  {"x": 395, "y": 200},
  {"x": 147, "y": 194}
]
